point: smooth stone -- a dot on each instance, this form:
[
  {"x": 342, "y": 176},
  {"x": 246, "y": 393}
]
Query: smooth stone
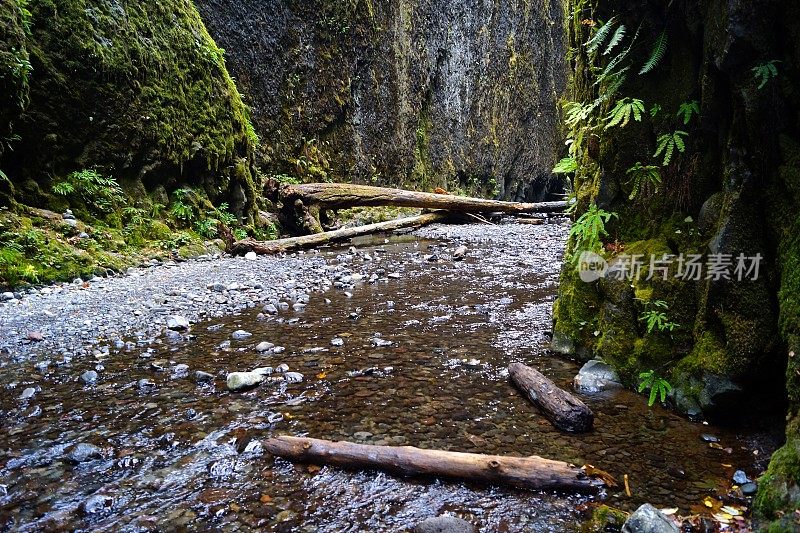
[
  {"x": 709, "y": 438},
  {"x": 83, "y": 452},
  {"x": 293, "y": 377},
  {"x": 89, "y": 377},
  {"x": 27, "y": 394},
  {"x": 596, "y": 376},
  {"x": 243, "y": 380},
  {"x": 281, "y": 368},
  {"x": 203, "y": 377},
  {"x": 460, "y": 253},
  {"x": 6, "y": 296},
  {"x": 177, "y": 323},
  {"x": 241, "y": 334},
  {"x": 264, "y": 346},
  {"x": 444, "y": 524},
  {"x": 748, "y": 489},
  {"x": 648, "y": 519},
  {"x": 270, "y": 309},
  {"x": 337, "y": 342},
  {"x": 740, "y": 478},
  {"x": 251, "y": 256}
]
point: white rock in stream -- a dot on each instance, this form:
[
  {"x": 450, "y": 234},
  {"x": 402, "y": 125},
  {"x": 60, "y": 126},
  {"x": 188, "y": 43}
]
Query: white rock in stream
[
  {"x": 243, "y": 380},
  {"x": 177, "y": 323},
  {"x": 596, "y": 376}
]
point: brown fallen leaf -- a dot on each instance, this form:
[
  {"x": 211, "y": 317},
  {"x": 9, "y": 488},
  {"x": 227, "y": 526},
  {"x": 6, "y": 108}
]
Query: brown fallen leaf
[
  {"x": 313, "y": 469},
  {"x": 596, "y": 473}
]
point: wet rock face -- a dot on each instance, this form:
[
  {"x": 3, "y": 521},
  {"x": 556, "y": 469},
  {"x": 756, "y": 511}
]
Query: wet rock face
[
  {"x": 432, "y": 93},
  {"x": 648, "y": 519}
]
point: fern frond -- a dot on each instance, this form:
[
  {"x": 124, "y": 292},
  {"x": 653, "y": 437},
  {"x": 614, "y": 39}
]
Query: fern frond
[
  {"x": 656, "y": 54},
  {"x": 600, "y": 36},
  {"x": 615, "y": 39}
]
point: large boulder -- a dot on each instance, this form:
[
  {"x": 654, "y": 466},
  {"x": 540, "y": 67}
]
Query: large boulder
[{"x": 444, "y": 524}]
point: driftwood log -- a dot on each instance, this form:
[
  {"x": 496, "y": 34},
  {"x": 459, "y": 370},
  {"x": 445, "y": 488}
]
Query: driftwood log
[
  {"x": 564, "y": 410},
  {"x": 532, "y": 472},
  {"x": 292, "y": 244},
  {"x": 302, "y": 205}
]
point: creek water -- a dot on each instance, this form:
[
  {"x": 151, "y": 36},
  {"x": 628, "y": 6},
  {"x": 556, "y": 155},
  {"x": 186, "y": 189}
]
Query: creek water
[{"x": 180, "y": 455}]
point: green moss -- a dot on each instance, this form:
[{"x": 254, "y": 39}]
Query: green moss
[
  {"x": 604, "y": 518},
  {"x": 134, "y": 89},
  {"x": 778, "y": 487}
]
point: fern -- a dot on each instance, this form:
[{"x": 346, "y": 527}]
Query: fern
[
  {"x": 615, "y": 39},
  {"x": 667, "y": 143},
  {"x": 589, "y": 228},
  {"x": 765, "y": 72},
  {"x": 600, "y": 35},
  {"x": 63, "y": 188},
  {"x": 656, "y": 54},
  {"x": 566, "y": 166},
  {"x": 644, "y": 176},
  {"x": 623, "y": 111},
  {"x": 655, "y": 110},
  {"x": 659, "y": 387},
  {"x": 687, "y": 109}
]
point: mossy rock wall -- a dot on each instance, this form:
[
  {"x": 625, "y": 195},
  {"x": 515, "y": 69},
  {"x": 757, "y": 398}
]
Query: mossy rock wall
[
  {"x": 734, "y": 190},
  {"x": 135, "y": 89},
  {"x": 450, "y": 93}
]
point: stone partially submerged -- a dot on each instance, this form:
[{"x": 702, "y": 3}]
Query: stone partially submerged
[{"x": 596, "y": 376}]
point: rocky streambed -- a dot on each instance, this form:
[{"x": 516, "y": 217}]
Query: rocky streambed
[{"x": 118, "y": 414}]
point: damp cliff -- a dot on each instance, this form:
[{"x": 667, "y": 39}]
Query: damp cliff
[
  {"x": 684, "y": 121},
  {"x": 457, "y": 94},
  {"x": 137, "y": 91}
]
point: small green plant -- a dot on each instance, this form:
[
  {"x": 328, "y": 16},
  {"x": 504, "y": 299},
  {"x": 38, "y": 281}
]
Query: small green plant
[
  {"x": 656, "y": 54},
  {"x": 179, "y": 208},
  {"x": 589, "y": 228},
  {"x": 240, "y": 233},
  {"x": 655, "y": 110},
  {"x": 623, "y": 111},
  {"x": 134, "y": 216},
  {"x": 668, "y": 143},
  {"x": 655, "y": 317},
  {"x": 207, "y": 227},
  {"x": 285, "y": 178},
  {"x": 101, "y": 193},
  {"x": 687, "y": 110},
  {"x": 658, "y": 386},
  {"x": 566, "y": 166},
  {"x": 644, "y": 177},
  {"x": 765, "y": 72}
]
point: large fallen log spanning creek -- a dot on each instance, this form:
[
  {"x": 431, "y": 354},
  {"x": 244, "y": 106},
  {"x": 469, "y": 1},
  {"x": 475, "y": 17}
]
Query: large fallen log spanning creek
[
  {"x": 302, "y": 205},
  {"x": 533, "y": 473}
]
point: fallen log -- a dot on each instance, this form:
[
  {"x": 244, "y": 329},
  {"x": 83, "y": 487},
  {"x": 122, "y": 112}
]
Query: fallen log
[
  {"x": 302, "y": 205},
  {"x": 293, "y": 244},
  {"x": 534, "y": 473},
  {"x": 564, "y": 410}
]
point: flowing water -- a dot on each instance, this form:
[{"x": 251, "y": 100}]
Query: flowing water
[{"x": 180, "y": 455}]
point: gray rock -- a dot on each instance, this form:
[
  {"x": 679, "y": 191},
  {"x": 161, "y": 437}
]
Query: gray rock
[
  {"x": 460, "y": 253},
  {"x": 740, "y": 478},
  {"x": 145, "y": 385},
  {"x": 380, "y": 342},
  {"x": 749, "y": 489},
  {"x": 283, "y": 367},
  {"x": 203, "y": 377},
  {"x": 264, "y": 346},
  {"x": 177, "y": 323},
  {"x": 596, "y": 376},
  {"x": 293, "y": 377},
  {"x": 97, "y": 503},
  {"x": 719, "y": 393},
  {"x": 6, "y": 296},
  {"x": 264, "y": 370},
  {"x": 240, "y": 335},
  {"x": 243, "y": 380},
  {"x": 89, "y": 377},
  {"x": 270, "y": 309},
  {"x": 83, "y": 452},
  {"x": 337, "y": 341},
  {"x": 27, "y": 394},
  {"x": 444, "y": 524},
  {"x": 648, "y": 519},
  {"x": 278, "y": 349}
]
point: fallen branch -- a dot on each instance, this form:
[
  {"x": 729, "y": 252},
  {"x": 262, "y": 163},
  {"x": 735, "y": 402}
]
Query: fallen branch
[
  {"x": 534, "y": 473},
  {"x": 564, "y": 410},
  {"x": 293, "y": 244},
  {"x": 303, "y": 204}
]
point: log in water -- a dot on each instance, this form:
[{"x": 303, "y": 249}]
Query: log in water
[{"x": 534, "y": 473}]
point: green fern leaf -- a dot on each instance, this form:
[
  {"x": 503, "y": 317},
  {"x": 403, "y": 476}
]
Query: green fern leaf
[
  {"x": 656, "y": 54},
  {"x": 615, "y": 39},
  {"x": 600, "y": 36}
]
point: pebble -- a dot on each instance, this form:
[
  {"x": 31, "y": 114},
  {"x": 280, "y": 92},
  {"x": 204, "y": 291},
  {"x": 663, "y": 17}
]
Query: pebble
[
  {"x": 707, "y": 437},
  {"x": 251, "y": 256},
  {"x": 177, "y": 323},
  {"x": 83, "y": 452},
  {"x": 97, "y": 503},
  {"x": 89, "y": 377},
  {"x": 240, "y": 335},
  {"x": 264, "y": 346},
  {"x": 293, "y": 377},
  {"x": 27, "y": 394},
  {"x": 281, "y": 368},
  {"x": 243, "y": 380},
  {"x": 336, "y": 341},
  {"x": 740, "y": 478},
  {"x": 203, "y": 377},
  {"x": 749, "y": 489}
]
